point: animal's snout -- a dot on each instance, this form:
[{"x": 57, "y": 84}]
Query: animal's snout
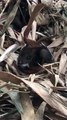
[{"x": 24, "y": 66}]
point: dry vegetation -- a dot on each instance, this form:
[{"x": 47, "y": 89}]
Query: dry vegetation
[{"x": 41, "y": 95}]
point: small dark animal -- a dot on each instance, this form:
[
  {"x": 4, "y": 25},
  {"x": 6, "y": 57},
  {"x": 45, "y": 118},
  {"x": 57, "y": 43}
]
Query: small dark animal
[{"x": 29, "y": 58}]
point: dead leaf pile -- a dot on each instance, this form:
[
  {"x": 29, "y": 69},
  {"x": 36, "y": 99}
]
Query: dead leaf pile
[{"x": 43, "y": 95}]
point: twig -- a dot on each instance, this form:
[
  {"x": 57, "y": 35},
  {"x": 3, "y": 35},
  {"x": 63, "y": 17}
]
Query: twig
[{"x": 4, "y": 8}]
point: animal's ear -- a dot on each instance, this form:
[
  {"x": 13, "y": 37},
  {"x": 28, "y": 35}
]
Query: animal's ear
[{"x": 45, "y": 54}]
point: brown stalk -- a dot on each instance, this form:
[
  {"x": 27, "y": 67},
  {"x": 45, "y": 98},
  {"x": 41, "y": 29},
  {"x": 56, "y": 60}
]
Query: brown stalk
[{"x": 35, "y": 12}]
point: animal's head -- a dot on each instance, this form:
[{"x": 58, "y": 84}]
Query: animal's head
[{"x": 29, "y": 58}]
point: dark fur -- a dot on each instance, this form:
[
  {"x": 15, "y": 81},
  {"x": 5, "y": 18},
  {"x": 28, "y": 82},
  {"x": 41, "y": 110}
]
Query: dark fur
[{"x": 30, "y": 57}]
